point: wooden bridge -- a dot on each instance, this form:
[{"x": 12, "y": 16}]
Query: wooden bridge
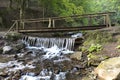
[{"x": 23, "y": 26}]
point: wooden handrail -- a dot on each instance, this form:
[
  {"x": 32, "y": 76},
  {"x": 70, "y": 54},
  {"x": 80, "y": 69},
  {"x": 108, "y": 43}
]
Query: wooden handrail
[
  {"x": 73, "y": 16},
  {"x": 51, "y": 21},
  {"x": 11, "y": 28}
]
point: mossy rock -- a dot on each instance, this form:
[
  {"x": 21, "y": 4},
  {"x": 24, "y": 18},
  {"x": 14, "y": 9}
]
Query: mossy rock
[
  {"x": 1, "y": 50},
  {"x": 13, "y": 36},
  {"x": 109, "y": 69},
  {"x": 97, "y": 37},
  {"x": 95, "y": 59}
]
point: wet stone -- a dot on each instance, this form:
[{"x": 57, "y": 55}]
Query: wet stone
[
  {"x": 2, "y": 43},
  {"x": 7, "y": 49},
  {"x": 3, "y": 74},
  {"x": 1, "y": 50},
  {"x": 76, "y": 55}
]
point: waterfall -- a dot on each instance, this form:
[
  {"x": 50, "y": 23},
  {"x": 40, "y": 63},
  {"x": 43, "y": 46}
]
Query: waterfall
[{"x": 62, "y": 43}]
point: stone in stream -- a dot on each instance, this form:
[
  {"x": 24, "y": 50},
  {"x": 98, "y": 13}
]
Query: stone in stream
[
  {"x": 13, "y": 36},
  {"x": 19, "y": 46},
  {"x": 109, "y": 69},
  {"x": 1, "y": 50},
  {"x": 3, "y": 74},
  {"x": 2, "y": 42},
  {"x": 6, "y": 49},
  {"x": 76, "y": 55}
]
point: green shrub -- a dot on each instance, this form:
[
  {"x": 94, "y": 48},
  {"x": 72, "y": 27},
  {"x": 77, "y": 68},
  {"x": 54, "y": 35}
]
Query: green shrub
[
  {"x": 97, "y": 37},
  {"x": 118, "y": 47},
  {"x": 95, "y": 48},
  {"x": 13, "y": 36}
]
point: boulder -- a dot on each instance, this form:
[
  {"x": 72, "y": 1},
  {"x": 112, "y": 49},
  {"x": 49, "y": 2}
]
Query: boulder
[
  {"x": 76, "y": 55},
  {"x": 13, "y": 36},
  {"x": 2, "y": 42},
  {"x": 6, "y": 49},
  {"x": 1, "y": 50},
  {"x": 3, "y": 74},
  {"x": 109, "y": 69},
  {"x": 95, "y": 59},
  {"x": 18, "y": 47}
]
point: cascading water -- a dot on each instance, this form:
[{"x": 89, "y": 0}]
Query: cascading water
[
  {"x": 52, "y": 47},
  {"x": 61, "y": 43}
]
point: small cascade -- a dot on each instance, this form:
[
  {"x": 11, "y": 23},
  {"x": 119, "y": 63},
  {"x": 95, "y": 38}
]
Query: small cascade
[
  {"x": 62, "y": 43},
  {"x": 45, "y": 74}
]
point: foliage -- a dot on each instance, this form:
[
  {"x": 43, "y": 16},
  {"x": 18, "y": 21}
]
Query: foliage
[
  {"x": 118, "y": 47},
  {"x": 95, "y": 48},
  {"x": 95, "y": 59},
  {"x": 91, "y": 56},
  {"x": 97, "y": 37},
  {"x": 13, "y": 36},
  {"x": 21, "y": 5},
  {"x": 61, "y": 7},
  {"x": 92, "y": 59},
  {"x": 52, "y": 8}
]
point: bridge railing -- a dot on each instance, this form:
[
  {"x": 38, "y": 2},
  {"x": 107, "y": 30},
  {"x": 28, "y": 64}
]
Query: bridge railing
[{"x": 51, "y": 22}]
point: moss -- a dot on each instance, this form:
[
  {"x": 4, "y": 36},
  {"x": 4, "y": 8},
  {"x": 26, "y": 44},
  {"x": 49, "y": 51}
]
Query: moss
[
  {"x": 118, "y": 47},
  {"x": 94, "y": 59},
  {"x": 95, "y": 48},
  {"x": 97, "y": 37},
  {"x": 13, "y": 36}
]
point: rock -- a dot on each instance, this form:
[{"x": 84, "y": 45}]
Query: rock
[
  {"x": 89, "y": 76},
  {"x": 6, "y": 49},
  {"x": 3, "y": 74},
  {"x": 30, "y": 62},
  {"x": 76, "y": 55},
  {"x": 2, "y": 42},
  {"x": 109, "y": 69},
  {"x": 13, "y": 36},
  {"x": 95, "y": 59},
  {"x": 16, "y": 57},
  {"x": 1, "y": 50},
  {"x": 18, "y": 47},
  {"x": 17, "y": 75}
]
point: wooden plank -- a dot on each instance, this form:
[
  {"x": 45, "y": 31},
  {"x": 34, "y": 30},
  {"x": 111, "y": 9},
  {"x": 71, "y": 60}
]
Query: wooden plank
[{"x": 66, "y": 29}]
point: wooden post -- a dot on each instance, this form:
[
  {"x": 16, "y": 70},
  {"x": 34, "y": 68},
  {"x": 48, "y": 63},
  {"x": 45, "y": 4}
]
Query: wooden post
[
  {"x": 49, "y": 25},
  {"x": 104, "y": 19},
  {"x": 53, "y": 23},
  {"x": 17, "y": 27},
  {"x": 108, "y": 21},
  {"x": 23, "y": 25},
  {"x": 89, "y": 21}
]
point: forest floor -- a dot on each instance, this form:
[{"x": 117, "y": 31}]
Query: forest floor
[{"x": 110, "y": 48}]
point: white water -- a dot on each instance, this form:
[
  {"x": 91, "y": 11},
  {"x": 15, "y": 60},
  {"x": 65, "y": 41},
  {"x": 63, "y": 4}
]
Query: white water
[
  {"x": 44, "y": 75},
  {"x": 52, "y": 47},
  {"x": 18, "y": 66},
  {"x": 55, "y": 52},
  {"x": 62, "y": 43},
  {"x": 78, "y": 35}
]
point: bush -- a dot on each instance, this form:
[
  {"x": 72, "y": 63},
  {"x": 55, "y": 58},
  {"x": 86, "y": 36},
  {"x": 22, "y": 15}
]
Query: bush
[
  {"x": 118, "y": 47},
  {"x": 97, "y": 37},
  {"x": 13, "y": 36},
  {"x": 95, "y": 48}
]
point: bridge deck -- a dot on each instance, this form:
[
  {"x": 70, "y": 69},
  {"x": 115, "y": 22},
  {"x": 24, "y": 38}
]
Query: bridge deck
[{"x": 63, "y": 29}]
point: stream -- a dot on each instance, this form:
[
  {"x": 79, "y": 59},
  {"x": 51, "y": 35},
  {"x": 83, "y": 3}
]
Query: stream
[{"x": 43, "y": 59}]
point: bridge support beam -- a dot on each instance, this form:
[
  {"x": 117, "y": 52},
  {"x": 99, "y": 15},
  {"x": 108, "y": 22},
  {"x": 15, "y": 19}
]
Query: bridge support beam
[
  {"x": 53, "y": 23},
  {"x": 49, "y": 25},
  {"x": 107, "y": 20}
]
